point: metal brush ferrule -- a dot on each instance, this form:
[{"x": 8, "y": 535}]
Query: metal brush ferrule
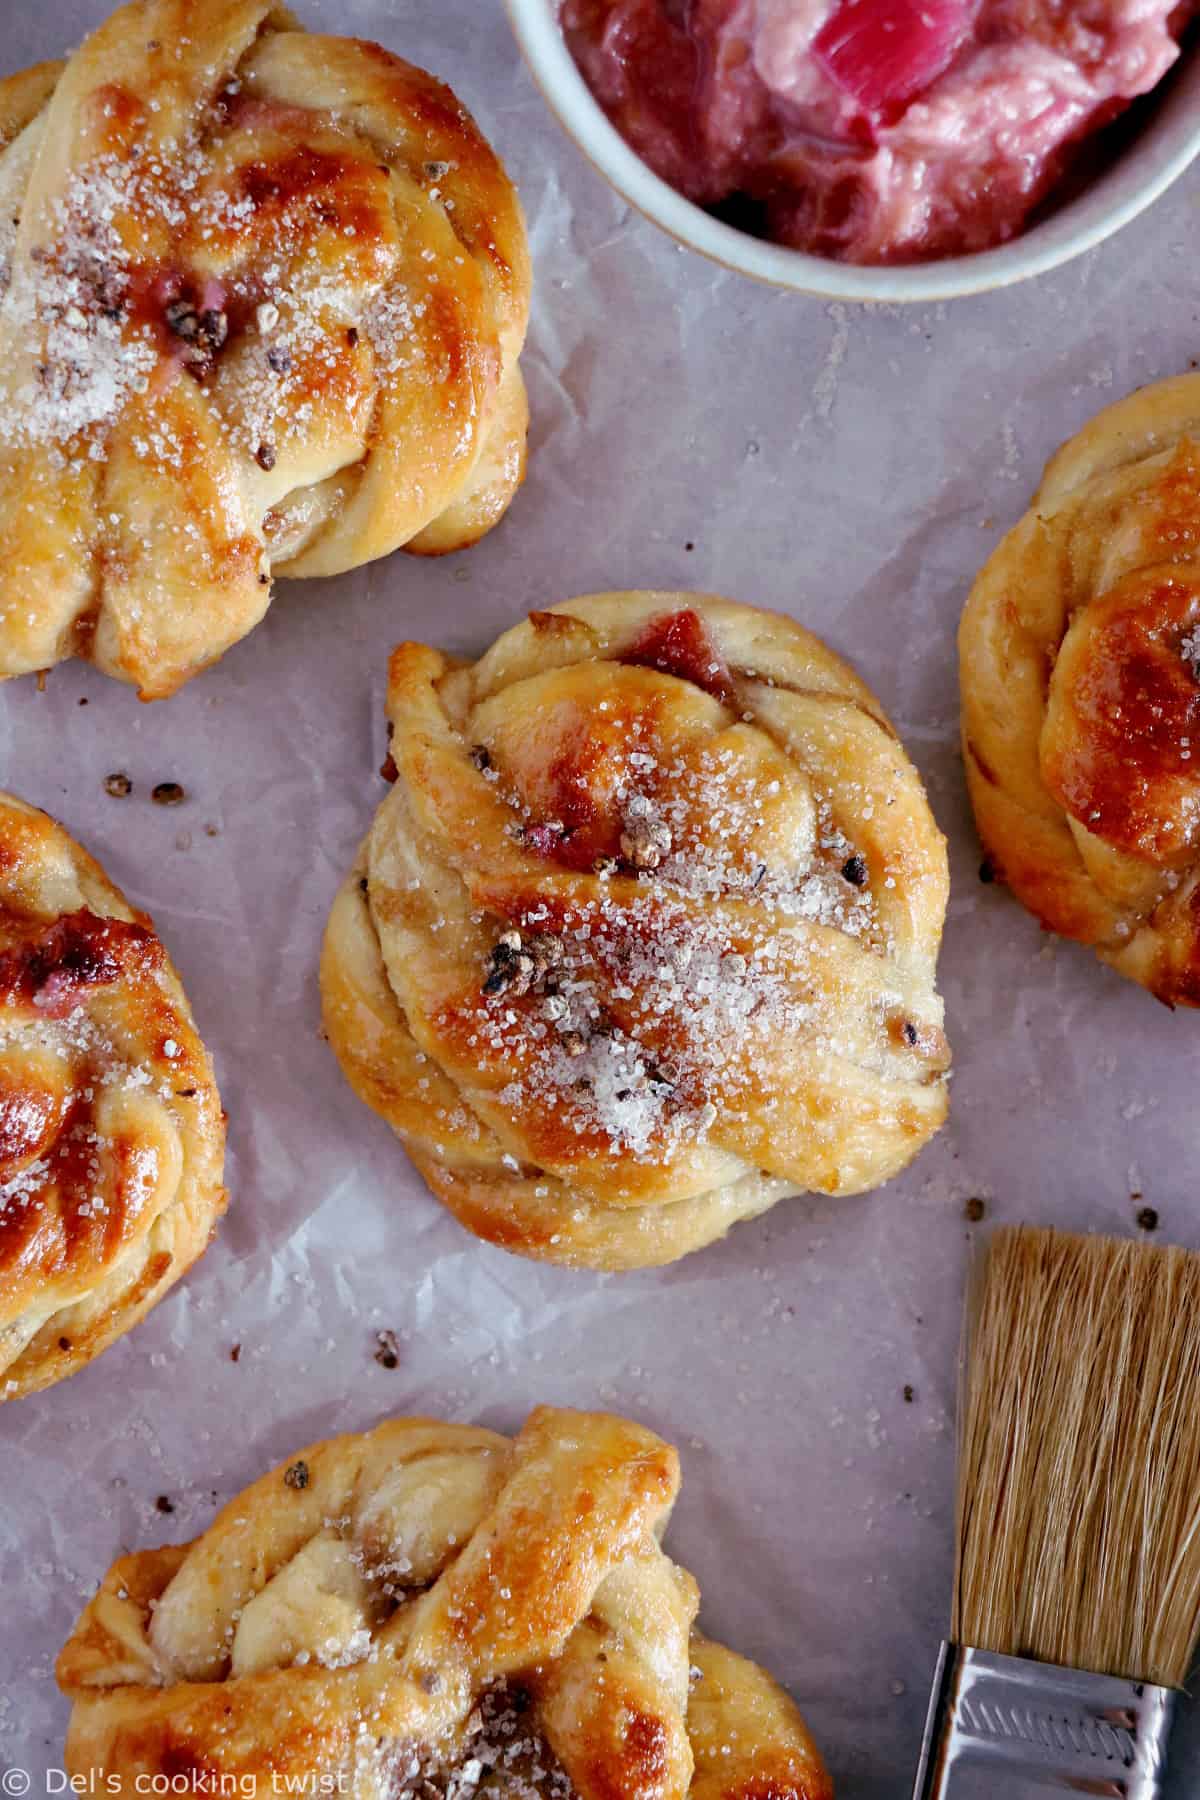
[{"x": 1001, "y": 1725}]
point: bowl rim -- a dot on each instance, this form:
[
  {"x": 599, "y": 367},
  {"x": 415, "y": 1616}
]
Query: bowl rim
[{"x": 1115, "y": 199}]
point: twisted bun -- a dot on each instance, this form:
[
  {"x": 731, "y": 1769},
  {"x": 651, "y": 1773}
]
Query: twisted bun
[
  {"x": 111, "y": 1132},
  {"x": 643, "y": 938},
  {"x": 1080, "y": 660},
  {"x": 428, "y": 1609},
  {"x": 262, "y": 294}
]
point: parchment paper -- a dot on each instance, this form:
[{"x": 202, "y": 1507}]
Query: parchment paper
[{"x": 852, "y": 466}]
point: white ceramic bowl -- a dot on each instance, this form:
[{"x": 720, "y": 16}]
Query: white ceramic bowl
[{"x": 1159, "y": 154}]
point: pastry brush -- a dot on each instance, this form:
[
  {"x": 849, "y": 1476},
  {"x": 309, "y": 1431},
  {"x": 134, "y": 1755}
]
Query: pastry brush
[{"x": 1077, "y": 1578}]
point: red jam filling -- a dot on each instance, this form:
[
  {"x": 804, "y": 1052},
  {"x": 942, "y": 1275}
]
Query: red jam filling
[
  {"x": 79, "y": 951},
  {"x": 883, "y": 57},
  {"x": 871, "y": 131},
  {"x": 678, "y": 644}
]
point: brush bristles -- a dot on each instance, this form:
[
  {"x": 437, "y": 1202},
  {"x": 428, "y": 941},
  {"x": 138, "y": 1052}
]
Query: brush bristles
[{"x": 1079, "y": 1472}]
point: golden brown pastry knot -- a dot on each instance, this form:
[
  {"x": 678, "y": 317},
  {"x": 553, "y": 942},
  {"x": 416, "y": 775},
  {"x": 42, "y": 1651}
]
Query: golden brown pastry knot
[
  {"x": 1080, "y": 653},
  {"x": 111, "y": 1133},
  {"x": 430, "y": 1610},
  {"x": 261, "y": 299},
  {"x": 643, "y": 938}
]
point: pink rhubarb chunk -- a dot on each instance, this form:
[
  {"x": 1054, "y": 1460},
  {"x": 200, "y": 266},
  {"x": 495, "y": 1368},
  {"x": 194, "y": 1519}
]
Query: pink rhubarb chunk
[{"x": 883, "y": 53}]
